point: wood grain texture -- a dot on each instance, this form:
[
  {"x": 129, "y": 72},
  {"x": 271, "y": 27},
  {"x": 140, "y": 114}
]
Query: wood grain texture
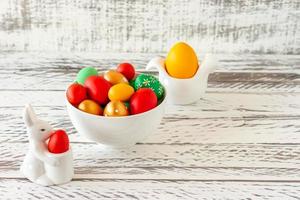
[
  {"x": 89, "y": 189},
  {"x": 244, "y": 74},
  {"x": 150, "y": 26},
  {"x": 72, "y": 61},
  {"x": 158, "y": 155},
  {"x": 169, "y": 173},
  {"x": 185, "y": 131},
  {"x": 219, "y": 118},
  {"x": 211, "y": 105},
  {"x": 241, "y": 141}
]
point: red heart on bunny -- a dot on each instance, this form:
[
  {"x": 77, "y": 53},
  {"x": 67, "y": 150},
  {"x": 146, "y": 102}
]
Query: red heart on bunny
[{"x": 58, "y": 142}]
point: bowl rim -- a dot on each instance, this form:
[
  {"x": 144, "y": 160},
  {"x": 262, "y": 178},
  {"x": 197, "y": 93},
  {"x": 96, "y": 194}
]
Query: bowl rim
[{"x": 117, "y": 117}]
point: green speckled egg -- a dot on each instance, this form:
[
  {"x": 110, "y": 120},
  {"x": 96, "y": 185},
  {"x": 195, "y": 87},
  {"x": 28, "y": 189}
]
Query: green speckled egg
[
  {"x": 131, "y": 82},
  {"x": 148, "y": 81},
  {"x": 84, "y": 73}
]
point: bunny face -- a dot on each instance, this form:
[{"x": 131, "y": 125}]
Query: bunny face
[{"x": 38, "y": 129}]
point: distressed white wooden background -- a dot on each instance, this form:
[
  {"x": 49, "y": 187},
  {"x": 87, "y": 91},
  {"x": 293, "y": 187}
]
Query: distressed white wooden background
[
  {"x": 251, "y": 26},
  {"x": 242, "y": 141}
]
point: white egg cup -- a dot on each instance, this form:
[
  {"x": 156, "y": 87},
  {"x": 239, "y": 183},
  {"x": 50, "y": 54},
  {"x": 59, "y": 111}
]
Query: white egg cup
[
  {"x": 184, "y": 91},
  {"x": 64, "y": 171}
]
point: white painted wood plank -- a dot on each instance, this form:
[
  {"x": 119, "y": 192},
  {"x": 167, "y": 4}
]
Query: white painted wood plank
[
  {"x": 72, "y": 61},
  {"x": 235, "y": 118},
  {"x": 175, "y": 173},
  {"x": 49, "y": 79},
  {"x": 244, "y": 73},
  {"x": 105, "y": 189},
  {"x": 145, "y": 155},
  {"x": 151, "y": 26},
  {"x": 181, "y": 131},
  {"x": 212, "y": 104}
]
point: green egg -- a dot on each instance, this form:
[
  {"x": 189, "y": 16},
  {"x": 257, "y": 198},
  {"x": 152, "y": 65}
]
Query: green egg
[
  {"x": 126, "y": 103},
  {"x": 84, "y": 73},
  {"x": 160, "y": 100},
  {"x": 131, "y": 82},
  {"x": 149, "y": 81}
]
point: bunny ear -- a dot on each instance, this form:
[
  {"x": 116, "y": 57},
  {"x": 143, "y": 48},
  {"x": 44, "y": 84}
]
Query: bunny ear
[{"x": 29, "y": 115}]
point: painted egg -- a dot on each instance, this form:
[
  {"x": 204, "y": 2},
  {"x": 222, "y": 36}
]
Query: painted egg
[
  {"x": 181, "y": 61},
  {"x": 58, "y": 142},
  {"x": 127, "y": 104},
  {"x": 115, "y": 109},
  {"x": 121, "y": 92},
  {"x": 91, "y": 107},
  {"x": 76, "y": 93},
  {"x": 84, "y": 73},
  {"x": 114, "y": 77},
  {"x": 97, "y": 89},
  {"x": 127, "y": 70},
  {"x": 142, "y": 100},
  {"x": 132, "y": 82},
  {"x": 148, "y": 81}
]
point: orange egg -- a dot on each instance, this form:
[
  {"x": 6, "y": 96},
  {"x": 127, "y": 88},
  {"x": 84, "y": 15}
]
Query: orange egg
[
  {"x": 114, "y": 77},
  {"x": 181, "y": 61},
  {"x": 121, "y": 92},
  {"x": 91, "y": 107},
  {"x": 115, "y": 109}
]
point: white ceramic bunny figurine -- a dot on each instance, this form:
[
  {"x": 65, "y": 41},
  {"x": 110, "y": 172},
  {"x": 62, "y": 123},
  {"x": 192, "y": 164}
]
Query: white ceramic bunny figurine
[{"x": 41, "y": 166}]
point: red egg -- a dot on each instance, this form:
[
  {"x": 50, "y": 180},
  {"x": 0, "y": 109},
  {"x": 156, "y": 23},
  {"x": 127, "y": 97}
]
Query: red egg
[
  {"x": 76, "y": 93},
  {"x": 97, "y": 89},
  {"x": 127, "y": 70},
  {"x": 58, "y": 142},
  {"x": 142, "y": 100}
]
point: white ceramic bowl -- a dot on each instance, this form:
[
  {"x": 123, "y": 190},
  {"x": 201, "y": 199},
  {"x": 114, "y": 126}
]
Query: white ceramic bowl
[{"x": 116, "y": 131}]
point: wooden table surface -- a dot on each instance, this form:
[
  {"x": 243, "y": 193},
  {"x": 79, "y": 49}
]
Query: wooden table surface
[{"x": 242, "y": 141}]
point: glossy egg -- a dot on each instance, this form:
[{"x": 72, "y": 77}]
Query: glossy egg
[
  {"x": 115, "y": 109},
  {"x": 127, "y": 70},
  {"x": 148, "y": 81},
  {"x": 181, "y": 61},
  {"x": 58, "y": 142},
  {"x": 76, "y": 93},
  {"x": 121, "y": 92},
  {"x": 114, "y": 77},
  {"x": 84, "y": 73},
  {"x": 97, "y": 89},
  {"x": 142, "y": 100},
  {"x": 91, "y": 107}
]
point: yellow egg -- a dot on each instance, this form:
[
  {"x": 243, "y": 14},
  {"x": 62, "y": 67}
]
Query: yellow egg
[
  {"x": 91, "y": 107},
  {"x": 114, "y": 77},
  {"x": 181, "y": 61},
  {"x": 115, "y": 109},
  {"x": 121, "y": 92}
]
